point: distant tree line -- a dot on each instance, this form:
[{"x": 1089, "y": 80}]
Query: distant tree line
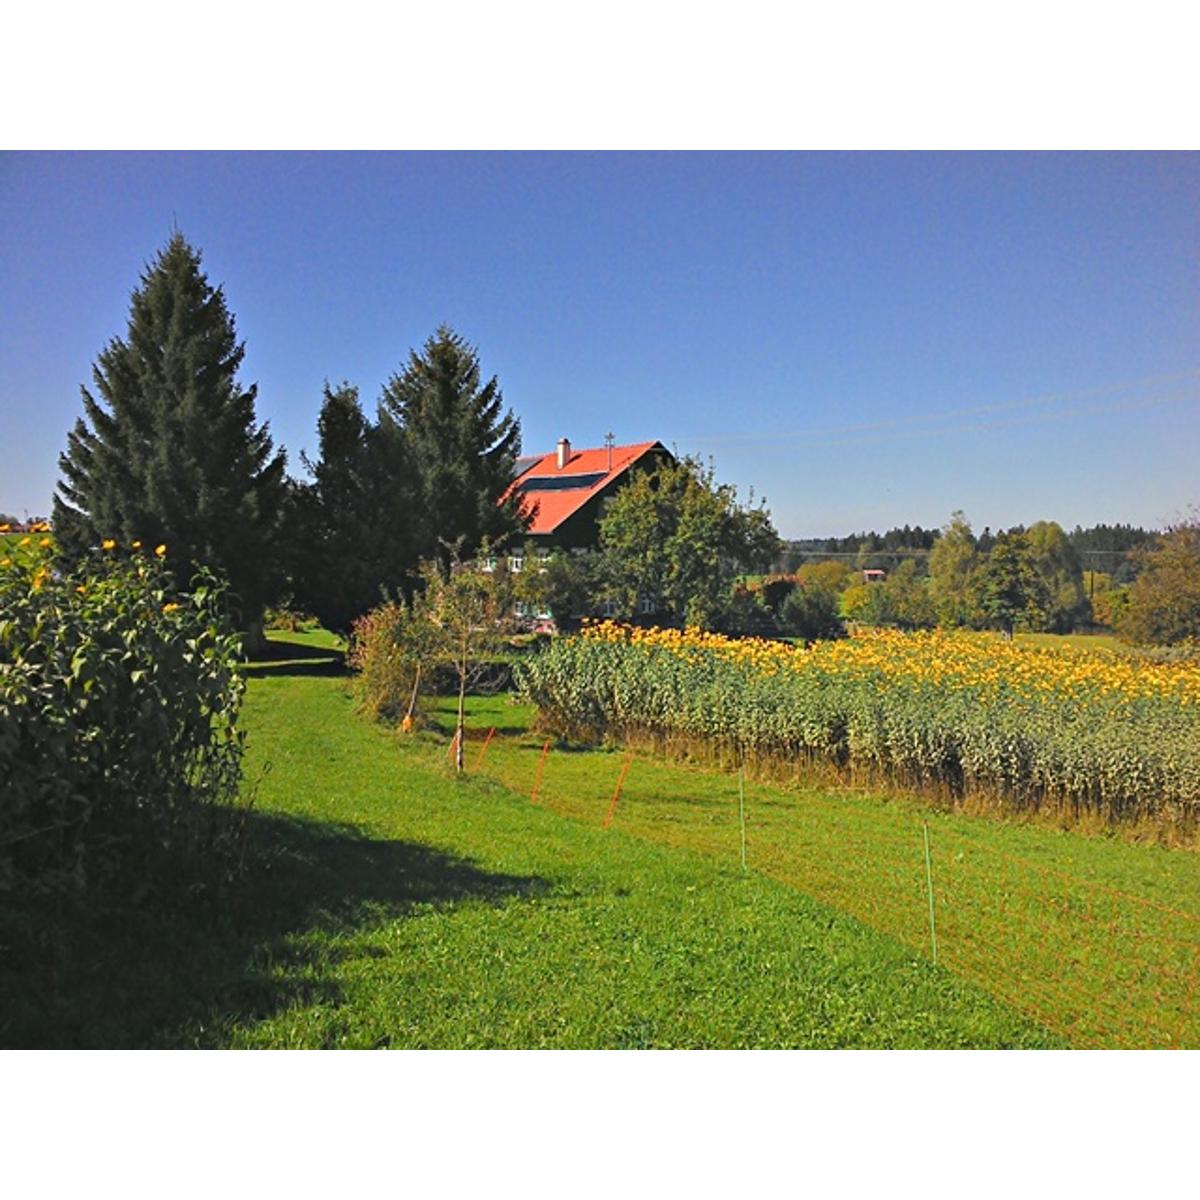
[
  {"x": 1035, "y": 578},
  {"x": 1096, "y": 546}
]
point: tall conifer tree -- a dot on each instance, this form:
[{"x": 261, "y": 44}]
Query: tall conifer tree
[
  {"x": 462, "y": 443},
  {"x": 170, "y": 451},
  {"x": 357, "y": 525}
]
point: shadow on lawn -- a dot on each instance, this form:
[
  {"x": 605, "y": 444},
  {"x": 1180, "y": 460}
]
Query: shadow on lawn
[
  {"x": 128, "y": 975},
  {"x": 295, "y": 658}
]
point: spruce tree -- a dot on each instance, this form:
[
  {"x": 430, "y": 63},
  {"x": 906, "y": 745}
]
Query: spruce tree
[
  {"x": 356, "y": 526},
  {"x": 462, "y": 444},
  {"x": 169, "y": 451}
]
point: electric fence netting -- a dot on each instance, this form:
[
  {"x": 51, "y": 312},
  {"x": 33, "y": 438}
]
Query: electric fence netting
[{"x": 1100, "y": 965}]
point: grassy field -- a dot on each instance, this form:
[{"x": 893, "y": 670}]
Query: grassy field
[
  {"x": 390, "y": 904},
  {"x": 1079, "y": 641},
  {"x": 1096, "y": 937}
]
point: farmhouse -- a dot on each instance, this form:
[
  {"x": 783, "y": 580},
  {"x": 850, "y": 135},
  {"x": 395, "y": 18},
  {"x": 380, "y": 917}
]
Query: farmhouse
[{"x": 570, "y": 489}]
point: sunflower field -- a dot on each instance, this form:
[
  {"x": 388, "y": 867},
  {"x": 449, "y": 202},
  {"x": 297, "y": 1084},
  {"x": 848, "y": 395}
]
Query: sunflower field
[{"x": 1077, "y": 731}]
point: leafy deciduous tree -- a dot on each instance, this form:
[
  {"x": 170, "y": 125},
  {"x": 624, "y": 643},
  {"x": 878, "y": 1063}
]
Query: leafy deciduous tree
[
  {"x": 1057, "y": 563},
  {"x": 953, "y": 575},
  {"x": 676, "y": 535},
  {"x": 1164, "y": 601}
]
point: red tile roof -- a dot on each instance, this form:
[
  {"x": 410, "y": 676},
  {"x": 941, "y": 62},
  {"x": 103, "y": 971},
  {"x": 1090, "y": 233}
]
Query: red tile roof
[{"x": 590, "y": 471}]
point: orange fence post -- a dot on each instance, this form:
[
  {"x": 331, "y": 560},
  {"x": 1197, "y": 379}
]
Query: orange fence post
[
  {"x": 612, "y": 808},
  {"x": 537, "y": 783},
  {"x": 487, "y": 742},
  {"x": 453, "y": 744}
]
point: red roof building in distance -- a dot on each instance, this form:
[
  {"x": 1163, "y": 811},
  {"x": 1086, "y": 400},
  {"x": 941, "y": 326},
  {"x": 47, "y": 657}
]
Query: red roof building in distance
[{"x": 567, "y": 488}]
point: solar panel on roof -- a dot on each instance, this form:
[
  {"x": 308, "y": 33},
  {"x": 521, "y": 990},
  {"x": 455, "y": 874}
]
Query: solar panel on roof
[{"x": 560, "y": 483}]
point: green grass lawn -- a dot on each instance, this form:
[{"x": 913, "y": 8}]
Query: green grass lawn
[
  {"x": 1079, "y": 641},
  {"x": 391, "y": 904}
]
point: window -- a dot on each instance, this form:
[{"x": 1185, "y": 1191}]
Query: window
[
  {"x": 609, "y": 608},
  {"x": 516, "y": 562},
  {"x": 489, "y": 563},
  {"x": 647, "y": 605},
  {"x": 521, "y": 608}
]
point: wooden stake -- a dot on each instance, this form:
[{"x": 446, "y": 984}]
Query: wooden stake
[{"x": 537, "y": 783}]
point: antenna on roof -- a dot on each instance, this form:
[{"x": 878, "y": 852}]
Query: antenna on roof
[{"x": 608, "y": 441}]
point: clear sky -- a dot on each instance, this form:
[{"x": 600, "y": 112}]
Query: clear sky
[{"x": 865, "y": 339}]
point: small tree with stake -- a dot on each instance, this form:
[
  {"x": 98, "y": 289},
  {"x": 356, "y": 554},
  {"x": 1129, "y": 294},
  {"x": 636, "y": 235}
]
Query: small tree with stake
[{"x": 466, "y": 626}]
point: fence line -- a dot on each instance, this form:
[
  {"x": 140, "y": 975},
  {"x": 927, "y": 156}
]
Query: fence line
[{"x": 1119, "y": 948}]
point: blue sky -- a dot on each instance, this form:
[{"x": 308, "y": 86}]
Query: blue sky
[{"x": 865, "y": 339}]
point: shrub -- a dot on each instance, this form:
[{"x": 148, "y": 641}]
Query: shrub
[
  {"x": 446, "y": 639},
  {"x": 745, "y": 612},
  {"x": 119, "y": 746},
  {"x": 387, "y": 655}
]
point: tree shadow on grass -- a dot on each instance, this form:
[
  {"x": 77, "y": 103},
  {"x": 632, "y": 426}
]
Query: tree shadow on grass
[
  {"x": 122, "y": 974},
  {"x": 295, "y": 658}
]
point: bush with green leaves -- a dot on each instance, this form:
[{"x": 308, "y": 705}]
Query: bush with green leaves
[
  {"x": 387, "y": 649},
  {"x": 119, "y": 745}
]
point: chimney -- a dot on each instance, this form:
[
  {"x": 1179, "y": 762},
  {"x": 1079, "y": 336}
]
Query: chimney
[{"x": 564, "y": 452}]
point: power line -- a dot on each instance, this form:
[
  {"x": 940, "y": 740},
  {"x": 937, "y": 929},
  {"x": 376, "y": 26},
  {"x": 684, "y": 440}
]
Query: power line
[{"x": 900, "y": 427}]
